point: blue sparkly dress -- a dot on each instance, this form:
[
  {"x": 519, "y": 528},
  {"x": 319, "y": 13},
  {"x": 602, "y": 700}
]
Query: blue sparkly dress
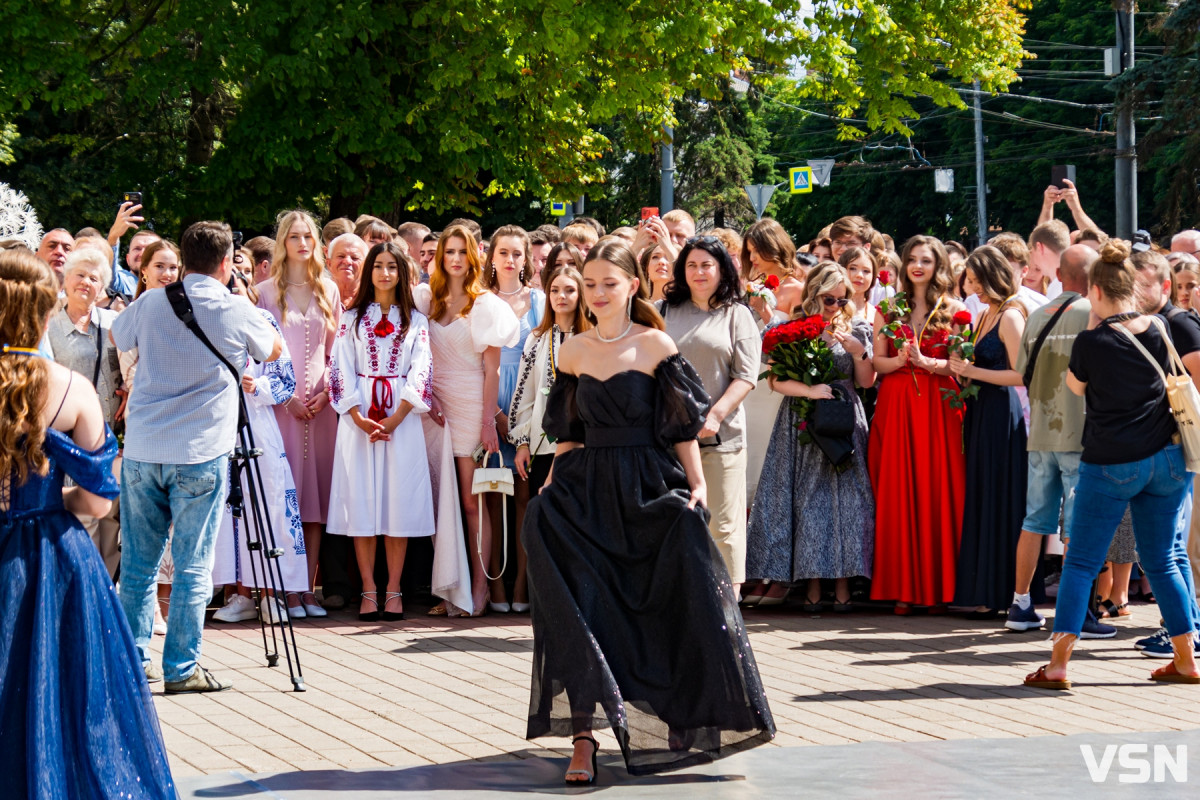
[
  {"x": 510, "y": 363},
  {"x": 76, "y": 718}
]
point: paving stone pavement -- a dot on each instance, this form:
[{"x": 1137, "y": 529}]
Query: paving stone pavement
[{"x": 434, "y": 691}]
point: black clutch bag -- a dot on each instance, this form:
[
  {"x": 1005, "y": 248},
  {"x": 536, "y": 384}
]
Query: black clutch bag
[{"x": 833, "y": 419}]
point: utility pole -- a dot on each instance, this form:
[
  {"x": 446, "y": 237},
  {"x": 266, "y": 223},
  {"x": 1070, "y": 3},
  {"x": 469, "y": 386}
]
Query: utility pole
[
  {"x": 980, "y": 180},
  {"x": 1126, "y": 166},
  {"x": 666, "y": 200}
]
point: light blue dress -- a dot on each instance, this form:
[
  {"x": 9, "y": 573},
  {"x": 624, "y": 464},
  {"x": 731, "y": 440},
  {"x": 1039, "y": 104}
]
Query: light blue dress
[{"x": 510, "y": 363}]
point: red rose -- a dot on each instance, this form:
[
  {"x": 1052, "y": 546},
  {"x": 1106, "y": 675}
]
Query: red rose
[
  {"x": 885, "y": 277},
  {"x": 962, "y": 318},
  {"x": 772, "y": 282}
]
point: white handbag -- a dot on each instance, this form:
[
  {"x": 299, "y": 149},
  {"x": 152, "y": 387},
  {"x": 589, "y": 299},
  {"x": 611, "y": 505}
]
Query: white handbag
[
  {"x": 486, "y": 480},
  {"x": 1181, "y": 395}
]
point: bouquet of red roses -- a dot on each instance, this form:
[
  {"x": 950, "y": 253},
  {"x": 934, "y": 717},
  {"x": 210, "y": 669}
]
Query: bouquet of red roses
[
  {"x": 962, "y": 345},
  {"x": 796, "y": 352}
]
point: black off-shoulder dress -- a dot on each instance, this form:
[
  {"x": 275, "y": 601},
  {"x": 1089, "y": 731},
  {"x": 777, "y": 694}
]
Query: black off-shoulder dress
[{"x": 635, "y": 622}]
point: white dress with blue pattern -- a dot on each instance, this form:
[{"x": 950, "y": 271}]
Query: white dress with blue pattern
[{"x": 274, "y": 383}]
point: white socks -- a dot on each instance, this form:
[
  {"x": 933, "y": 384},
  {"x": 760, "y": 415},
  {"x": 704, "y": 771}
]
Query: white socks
[{"x": 1022, "y": 600}]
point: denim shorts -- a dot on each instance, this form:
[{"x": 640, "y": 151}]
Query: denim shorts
[{"x": 1052, "y": 480}]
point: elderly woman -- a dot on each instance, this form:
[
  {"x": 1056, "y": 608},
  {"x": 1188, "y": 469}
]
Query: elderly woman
[
  {"x": 78, "y": 336},
  {"x": 79, "y": 331},
  {"x": 715, "y": 331}
]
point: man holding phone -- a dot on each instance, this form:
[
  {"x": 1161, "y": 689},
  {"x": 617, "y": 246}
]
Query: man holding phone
[
  {"x": 1062, "y": 189},
  {"x": 125, "y": 281}
]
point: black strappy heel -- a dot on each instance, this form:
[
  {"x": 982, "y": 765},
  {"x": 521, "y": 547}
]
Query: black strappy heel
[{"x": 591, "y": 777}]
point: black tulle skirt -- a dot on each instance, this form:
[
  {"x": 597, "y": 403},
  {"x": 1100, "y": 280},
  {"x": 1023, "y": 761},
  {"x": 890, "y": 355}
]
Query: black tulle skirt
[{"x": 636, "y": 625}]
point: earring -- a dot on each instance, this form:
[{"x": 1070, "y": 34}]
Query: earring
[
  {"x": 521, "y": 275},
  {"x": 493, "y": 272},
  {"x": 630, "y": 313}
]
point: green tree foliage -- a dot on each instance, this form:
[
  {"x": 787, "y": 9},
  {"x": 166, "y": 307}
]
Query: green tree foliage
[
  {"x": 889, "y": 177},
  {"x": 239, "y": 107},
  {"x": 1170, "y": 148}
]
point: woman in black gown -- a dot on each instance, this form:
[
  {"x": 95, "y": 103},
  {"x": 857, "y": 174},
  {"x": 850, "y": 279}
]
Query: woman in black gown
[{"x": 633, "y": 610}]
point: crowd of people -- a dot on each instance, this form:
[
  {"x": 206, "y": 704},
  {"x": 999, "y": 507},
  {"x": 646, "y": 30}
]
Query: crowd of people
[{"x": 996, "y": 406}]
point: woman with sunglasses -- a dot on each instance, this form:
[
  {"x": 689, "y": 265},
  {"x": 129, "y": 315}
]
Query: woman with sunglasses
[
  {"x": 715, "y": 331},
  {"x": 812, "y": 521}
]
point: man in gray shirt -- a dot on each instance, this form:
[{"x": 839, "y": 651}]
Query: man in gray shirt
[{"x": 181, "y": 427}]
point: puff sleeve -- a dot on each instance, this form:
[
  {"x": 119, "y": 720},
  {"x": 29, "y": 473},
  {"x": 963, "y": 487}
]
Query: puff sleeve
[
  {"x": 682, "y": 403},
  {"x": 418, "y": 386},
  {"x": 422, "y": 298},
  {"x": 493, "y": 323},
  {"x": 90, "y": 469},
  {"x": 562, "y": 422}
]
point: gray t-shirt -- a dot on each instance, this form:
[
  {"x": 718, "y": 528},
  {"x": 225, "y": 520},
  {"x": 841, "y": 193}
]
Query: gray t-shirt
[
  {"x": 184, "y": 406},
  {"x": 724, "y": 346},
  {"x": 1056, "y": 414}
]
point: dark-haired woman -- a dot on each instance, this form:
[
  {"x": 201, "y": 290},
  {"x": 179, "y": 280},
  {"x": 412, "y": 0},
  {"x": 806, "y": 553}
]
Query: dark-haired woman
[
  {"x": 380, "y": 378},
  {"x": 634, "y": 619},
  {"x": 811, "y": 521},
  {"x": 915, "y": 453},
  {"x": 715, "y": 331},
  {"x": 1129, "y": 458},
  {"x": 994, "y": 438},
  {"x": 76, "y": 714}
]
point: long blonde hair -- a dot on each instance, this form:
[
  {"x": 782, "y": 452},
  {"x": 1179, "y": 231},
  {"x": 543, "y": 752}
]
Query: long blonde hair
[
  {"x": 28, "y": 293},
  {"x": 314, "y": 270},
  {"x": 824, "y": 278},
  {"x": 439, "y": 281}
]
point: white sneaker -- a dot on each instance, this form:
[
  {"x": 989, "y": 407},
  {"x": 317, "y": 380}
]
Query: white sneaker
[
  {"x": 238, "y": 609},
  {"x": 160, "y": 624},
  {"x": 270, "y": 604}
]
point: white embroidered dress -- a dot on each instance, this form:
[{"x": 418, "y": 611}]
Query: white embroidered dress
[
  {"x": 381, "y": 487},
  {"x": 274, "y": 382}
]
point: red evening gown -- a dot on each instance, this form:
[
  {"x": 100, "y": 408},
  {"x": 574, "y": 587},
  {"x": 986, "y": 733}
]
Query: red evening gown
[{"x": 918, "y": 473}]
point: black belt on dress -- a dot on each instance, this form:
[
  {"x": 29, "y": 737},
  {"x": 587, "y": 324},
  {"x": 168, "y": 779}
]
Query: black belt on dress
[{"x": 620, "y": 437}]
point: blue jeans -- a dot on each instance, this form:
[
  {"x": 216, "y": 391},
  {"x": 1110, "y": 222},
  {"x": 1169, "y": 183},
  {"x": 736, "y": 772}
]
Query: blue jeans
[
  {"x": 192, "y": 496},
  {"x": 1156, "y": 491}
]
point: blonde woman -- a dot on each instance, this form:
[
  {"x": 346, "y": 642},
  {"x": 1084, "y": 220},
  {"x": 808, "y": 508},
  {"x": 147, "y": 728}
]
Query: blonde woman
[
  {"x": 812, "y": 521},
  {"x": 305, "y": 302}
]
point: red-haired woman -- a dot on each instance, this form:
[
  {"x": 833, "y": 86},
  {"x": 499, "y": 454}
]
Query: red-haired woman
[
  {"x": 915, "y": 454},
  {"x": 468, "y": 326}
]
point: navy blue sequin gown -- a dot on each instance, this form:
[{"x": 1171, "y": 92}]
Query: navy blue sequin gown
[
  {"x": 76, "y": 718},
  {"x": 632, "y": 606}
]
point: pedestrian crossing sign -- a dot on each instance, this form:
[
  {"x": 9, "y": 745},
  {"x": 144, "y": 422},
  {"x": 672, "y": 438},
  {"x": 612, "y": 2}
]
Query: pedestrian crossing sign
[
  {"x": 800, "y": 179},
  {"x": 558, "y": 209}
]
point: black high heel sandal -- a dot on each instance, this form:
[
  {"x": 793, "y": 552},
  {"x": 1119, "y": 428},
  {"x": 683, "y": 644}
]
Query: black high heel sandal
[
  {"x": 370, "y": 616},
  {"x": 591, "y": 776},
  {"x": 391, "y": 616}
]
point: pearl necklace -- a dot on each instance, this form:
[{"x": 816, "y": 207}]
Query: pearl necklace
[
  {"x": 621, "y": 335},
  {"x": 509, "y": 294},
  {"x": 301, "y": 283}
]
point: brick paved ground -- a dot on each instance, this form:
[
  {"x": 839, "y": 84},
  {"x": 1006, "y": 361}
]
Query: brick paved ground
[{"x": 435, "y": 691}]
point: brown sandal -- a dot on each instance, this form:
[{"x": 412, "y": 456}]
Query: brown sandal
[
  {"x": 1169, "y": 674},
  {"x": 1038, "y": 680}
]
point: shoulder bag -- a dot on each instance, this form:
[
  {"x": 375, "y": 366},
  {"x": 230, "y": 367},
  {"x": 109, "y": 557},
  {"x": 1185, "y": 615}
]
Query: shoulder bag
[
  {"x": 486, "y": 480},
  {"x": 1027, "y": 378},
  {"x": 1181, "y": 394}
]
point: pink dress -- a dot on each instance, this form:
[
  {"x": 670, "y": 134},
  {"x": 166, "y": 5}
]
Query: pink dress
[
  {"x": 309, "y": 444},
  {"x": 458, "y": 361}
]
